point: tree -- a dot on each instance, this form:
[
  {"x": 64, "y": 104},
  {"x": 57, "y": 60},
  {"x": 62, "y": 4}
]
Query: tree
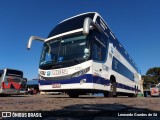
[{"x": 154, "y": 72}]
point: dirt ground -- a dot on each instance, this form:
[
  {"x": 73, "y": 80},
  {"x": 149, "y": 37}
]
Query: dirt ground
[{"x": 85, "y": 107}]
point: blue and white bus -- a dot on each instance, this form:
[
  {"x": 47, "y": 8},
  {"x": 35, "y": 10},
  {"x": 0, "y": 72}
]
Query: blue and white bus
[{"x": 82, "y": 55}]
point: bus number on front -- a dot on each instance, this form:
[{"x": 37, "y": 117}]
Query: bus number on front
[{"x": 60, "y": 72}]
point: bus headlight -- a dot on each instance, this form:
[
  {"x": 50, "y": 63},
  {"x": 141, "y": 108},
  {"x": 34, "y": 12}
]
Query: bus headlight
[{"x": 81, "y": 72}]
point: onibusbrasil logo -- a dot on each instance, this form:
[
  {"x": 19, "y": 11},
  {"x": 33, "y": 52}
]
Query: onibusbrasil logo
[{"x": 21, "y": 114}]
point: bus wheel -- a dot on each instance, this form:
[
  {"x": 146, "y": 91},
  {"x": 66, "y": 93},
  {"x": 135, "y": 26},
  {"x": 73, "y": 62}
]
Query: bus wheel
[
  {"x": 131, "y": 95},
  {"x": 73, "y": 94},
  {"x": 113, "y": 90},
  {"x": 106, "y": 94}
]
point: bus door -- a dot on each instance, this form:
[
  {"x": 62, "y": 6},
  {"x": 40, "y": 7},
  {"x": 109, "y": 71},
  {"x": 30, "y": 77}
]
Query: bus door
[{"x": 97, "y": 61}]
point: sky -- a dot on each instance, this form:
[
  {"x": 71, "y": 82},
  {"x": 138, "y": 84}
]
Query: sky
[{"x": 136, "y": 24}]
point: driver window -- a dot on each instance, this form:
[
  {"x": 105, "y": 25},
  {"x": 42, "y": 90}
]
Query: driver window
[{"x": 97, "y": 51}]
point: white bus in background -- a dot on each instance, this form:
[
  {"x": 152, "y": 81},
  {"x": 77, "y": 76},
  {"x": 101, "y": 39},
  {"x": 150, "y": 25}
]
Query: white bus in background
[
  {"x": 10, "y": 81},
  {"x": 82, "y": 55}
]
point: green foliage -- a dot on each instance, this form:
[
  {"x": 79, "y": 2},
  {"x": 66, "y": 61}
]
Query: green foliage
[
  {"x": 152, "y": 77},
  {"x": 149, "y": 80},
  {"x": 153, "y": 72}
]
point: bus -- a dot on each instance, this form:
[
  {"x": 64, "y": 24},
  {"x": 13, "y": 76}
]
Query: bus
[
  {"x": 10, "y": 81},
  {"x": 82, "y": 55}
]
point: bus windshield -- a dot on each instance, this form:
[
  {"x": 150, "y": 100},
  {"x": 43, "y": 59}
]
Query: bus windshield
[
  {"x": 70, "y": 48},
  {"x": 15, "y": 73}
]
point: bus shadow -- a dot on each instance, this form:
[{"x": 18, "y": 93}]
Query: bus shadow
[
  {"x": 14, "y": 96},
  {"x": 85, "y": 96},
  {"x": 102, "y": 111},
  {"x": 66, "y": 96},
  {"x": 96, "y": 112}
]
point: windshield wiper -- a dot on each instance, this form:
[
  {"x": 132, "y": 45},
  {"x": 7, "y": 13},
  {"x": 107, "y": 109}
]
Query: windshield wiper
[{"x": 57, "y": 66}]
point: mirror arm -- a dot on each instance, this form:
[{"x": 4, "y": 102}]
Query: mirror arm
[
  {"x": 89, "y": 24},
  {"x": 34, "y": 38}
]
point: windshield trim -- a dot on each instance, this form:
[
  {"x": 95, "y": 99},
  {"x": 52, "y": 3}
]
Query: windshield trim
[{"x": 64, "y": 34}]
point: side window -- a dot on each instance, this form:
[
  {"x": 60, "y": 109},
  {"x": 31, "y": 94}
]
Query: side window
[{"x": 97, "y": 55}]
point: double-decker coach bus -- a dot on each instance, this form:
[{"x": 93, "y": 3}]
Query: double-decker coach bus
[
  {"x": 82, "y": 55},
  {"x": 10, "y": 81}
]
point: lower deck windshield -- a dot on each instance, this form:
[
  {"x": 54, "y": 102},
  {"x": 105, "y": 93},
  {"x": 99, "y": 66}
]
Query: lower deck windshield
[
  {"x": 62, "y": 50},
  {"x": 13, "y": 76}
]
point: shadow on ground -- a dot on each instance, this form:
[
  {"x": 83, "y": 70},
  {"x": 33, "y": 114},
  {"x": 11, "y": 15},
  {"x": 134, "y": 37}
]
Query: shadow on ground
[
  {"x": 95, "y": 112},
  {"x": 14, "y": 95}
]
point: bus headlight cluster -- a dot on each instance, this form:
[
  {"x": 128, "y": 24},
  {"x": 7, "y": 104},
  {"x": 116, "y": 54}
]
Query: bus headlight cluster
[{"x": 81, "y": 72}]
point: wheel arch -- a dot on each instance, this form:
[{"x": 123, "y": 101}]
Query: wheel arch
[{"x": 112, "y": 78}]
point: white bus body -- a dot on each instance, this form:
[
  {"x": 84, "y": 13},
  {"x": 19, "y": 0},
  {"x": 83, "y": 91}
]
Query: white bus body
[
  {"x": 82, "y": 55},
  {"x": 10, "y": 81}
]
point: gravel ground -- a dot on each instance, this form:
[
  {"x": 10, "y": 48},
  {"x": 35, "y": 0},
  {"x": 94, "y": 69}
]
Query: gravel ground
[{"x": 85, "y": 107}]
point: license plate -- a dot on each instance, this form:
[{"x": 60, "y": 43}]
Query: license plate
[{"x": 57, "y": 85}]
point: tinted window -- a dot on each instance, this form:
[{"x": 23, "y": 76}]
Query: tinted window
[
  {"x": 122, "y": 69},
  {"x": 115, "y": 42},
  {"x": 69, "y": 25},
  {"x": 69, "y": 48},
  {"x": 97, "y": 54},
  {"x": 99, "y": 46},
  {"x": 14, "y": 73}
]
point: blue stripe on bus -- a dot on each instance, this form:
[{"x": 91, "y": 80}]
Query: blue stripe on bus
[{"x": 89, "y": 79}]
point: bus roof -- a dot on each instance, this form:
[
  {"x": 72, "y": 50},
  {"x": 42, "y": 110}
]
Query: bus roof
[
  {"x": 10, "y": 69},
  {"x": 79, "y": 15}
]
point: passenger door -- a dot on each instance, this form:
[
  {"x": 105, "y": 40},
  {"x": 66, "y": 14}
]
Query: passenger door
[{"x": 98, "y": 60}]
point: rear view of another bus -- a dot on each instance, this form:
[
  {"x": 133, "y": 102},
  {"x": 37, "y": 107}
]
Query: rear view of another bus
[{"x": 10, "y": 81}]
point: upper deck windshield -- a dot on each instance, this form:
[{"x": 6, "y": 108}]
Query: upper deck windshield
[
  {"x": 70, "y": 24},
  {"x": 63, "y": 52}
]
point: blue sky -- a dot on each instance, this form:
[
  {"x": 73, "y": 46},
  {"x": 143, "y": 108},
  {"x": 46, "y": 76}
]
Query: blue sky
[{"x": 135, "y": 23}]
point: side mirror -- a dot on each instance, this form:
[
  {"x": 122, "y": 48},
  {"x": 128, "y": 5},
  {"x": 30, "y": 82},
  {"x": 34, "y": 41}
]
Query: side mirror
[
  {"x": 89, "y": 24},
  {"x": 34, "y": 38}
]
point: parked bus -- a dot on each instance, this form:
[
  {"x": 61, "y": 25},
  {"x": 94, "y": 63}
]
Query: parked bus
[
  {"x": 82, "y": 55},
  {"x": 10, "y": 81}
]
